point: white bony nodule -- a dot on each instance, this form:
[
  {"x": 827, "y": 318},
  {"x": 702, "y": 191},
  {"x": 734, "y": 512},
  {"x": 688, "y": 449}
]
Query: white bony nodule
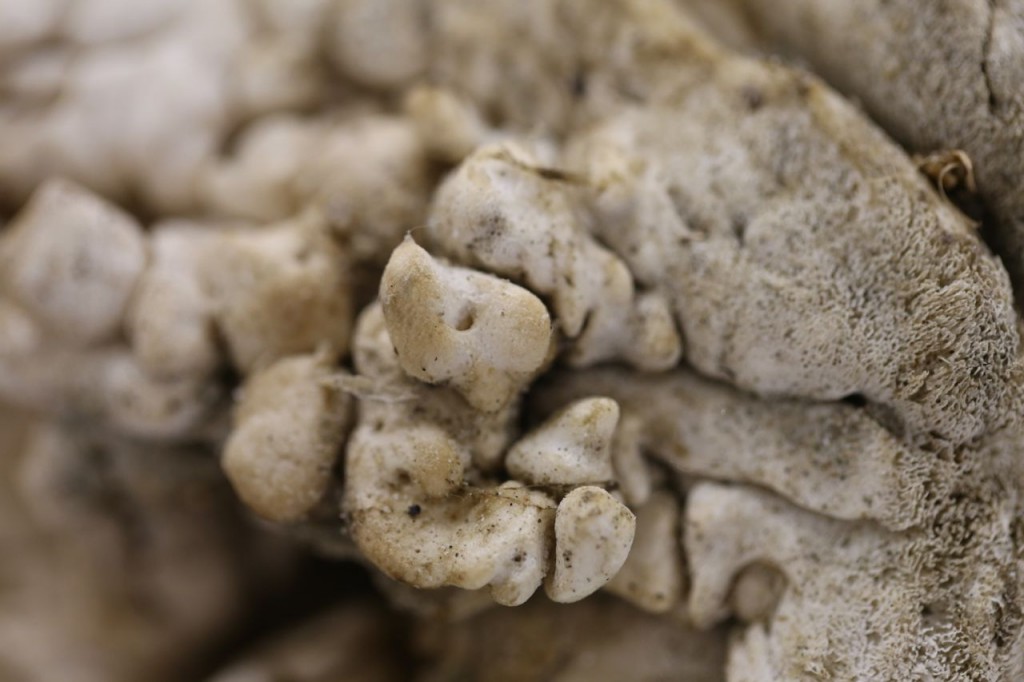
[
  {"x": 289, "y": 429},
  {"x": 482, "y": 335},
  {"x": 504, "y": 211},
  {"x": 573, "y": 447},
  {"x": 593, "y": 536},
  {"x": 279, "y": 290},
  {"x": 421, "y": 498},
  {"x": 72, "y": 259}
]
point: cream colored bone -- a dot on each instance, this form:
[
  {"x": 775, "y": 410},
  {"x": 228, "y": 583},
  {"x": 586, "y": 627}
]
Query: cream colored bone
[
  {"x": 502, "y": 211},
  {"x": 289, "y": 431},
  {"x": 652, "y": 576},
  {"x": 71, "y": 259},
  {"x": 417, "y": 497},
  {"x": 593, "y": 535},
  {"x": 573, "y": 447},
  {"x": 484, "y": 336}
]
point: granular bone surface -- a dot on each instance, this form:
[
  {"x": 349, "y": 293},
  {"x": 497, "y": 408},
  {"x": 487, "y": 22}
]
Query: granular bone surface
[{"x": 593, "y": 339}]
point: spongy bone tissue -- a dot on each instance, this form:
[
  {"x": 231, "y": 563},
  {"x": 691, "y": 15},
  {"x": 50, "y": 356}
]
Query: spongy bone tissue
[{"x": 508, "y": 340}]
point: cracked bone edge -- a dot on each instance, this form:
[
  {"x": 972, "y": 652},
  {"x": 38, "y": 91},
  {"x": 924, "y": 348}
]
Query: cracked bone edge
[
  {"x": 593, "y": 536},
  {"x": 288, "y": 433},
  {"x": 652, "y": 576},
  {"x": 279, "y": 290},
  {"x": 484, "y": 336},
  {"x": 500, "y": 212},
  {"x": 411, "y": 496},
  {"x": 858, "y": 602},
  {"x": 71, "y": 260},
  {"x": 573, "y": 447}
]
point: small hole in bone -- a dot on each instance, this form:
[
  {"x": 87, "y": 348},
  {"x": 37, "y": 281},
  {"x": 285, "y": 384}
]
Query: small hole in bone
[
  {"x": 855, "y": 399},
  {"x": 465, "y": 320},
  {"x": 757, "y": 591}
]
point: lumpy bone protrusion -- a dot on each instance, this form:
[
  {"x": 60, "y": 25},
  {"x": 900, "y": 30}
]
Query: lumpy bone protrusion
[
  {"x": 486, "y": 337},
  {"x": 501, "y": 212}
]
